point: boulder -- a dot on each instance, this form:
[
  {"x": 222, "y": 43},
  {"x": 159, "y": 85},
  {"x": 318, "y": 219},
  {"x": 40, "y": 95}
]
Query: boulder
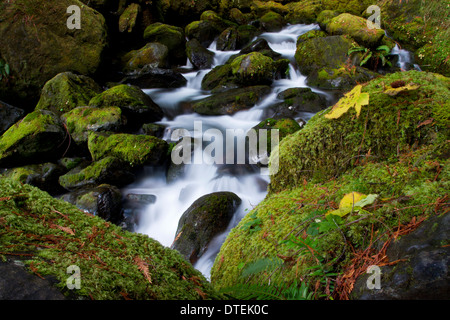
[
  {"x": 231, "y": 101},
  {"x": 136, "y": 150},
  {"x": 206, "y": 218},
  {"x": 218, "y": 78},
  {"x": 153, "y": 54},
  {"x": 299, "y": 100},
  {"x": 66, "y": 91},
  {"x": 324, "y": 18},
  {"x": 253, "y": 68},
  {"x": 8, "y": 116},
  {"x": 198, "y": 55},
  {"x": 81, "y": 120},
  {"x": 37, "y": 45},
  {"x": 136, "y": 106},
  {"x": 228, "y": 39},
  {"x": 272, "y": 22},
  {"x": 37, "y": 138},
  {"x": 128, "y": 19},
  {"x": 170, "y": 36},
  {"x": 108, "y": 170},
  {"x": 423, "y": 272},
  {"x": 261, "y": 46},
  {"x": 355, "y": 27}
]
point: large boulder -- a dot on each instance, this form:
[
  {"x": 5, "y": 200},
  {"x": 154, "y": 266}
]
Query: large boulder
[
  {"x": 231, "y": 101},
  {"x": 153, "y": 54},
  {"x": 136, "y": 150},
  {"x": 253, "y": 68},
  {"x": 37, "y": 44},
  {"x": 37, "y": 138},
  {"x": 66, "y": 91},
  {"x": 206, "y": 218},
  {"x": 136, "y": 106},
  {"x": 198, "y": 55}
]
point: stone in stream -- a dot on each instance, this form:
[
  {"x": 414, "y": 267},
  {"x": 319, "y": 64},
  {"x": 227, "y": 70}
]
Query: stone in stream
[{"x": 206, "y": 218}]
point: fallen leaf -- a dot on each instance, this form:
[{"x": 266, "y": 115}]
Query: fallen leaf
[
  {"x": 395, "y": 91},
  {"x": 353, "y": 99}
]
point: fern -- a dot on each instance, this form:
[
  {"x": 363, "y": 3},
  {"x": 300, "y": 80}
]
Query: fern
[{"x": 261, "y": 265}]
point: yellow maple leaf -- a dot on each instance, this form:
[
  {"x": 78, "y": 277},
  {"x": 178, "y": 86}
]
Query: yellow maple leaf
[
  {"x": 395, "y": 91},
  {"x": 353, "y": 99}
]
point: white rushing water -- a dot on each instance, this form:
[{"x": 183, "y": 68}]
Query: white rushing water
[{"x": 160, "y": 220}]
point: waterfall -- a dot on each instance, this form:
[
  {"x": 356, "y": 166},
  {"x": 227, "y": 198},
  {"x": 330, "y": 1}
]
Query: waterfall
[{"x": 160, "y": 220}]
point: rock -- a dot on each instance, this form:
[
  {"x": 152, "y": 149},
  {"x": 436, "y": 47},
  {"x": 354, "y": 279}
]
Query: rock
[
  {"x": 108, "y": 170},
  {"x": 324, "y": 18},
  {"x": 37, "y": 54},
  {"x": 16, "y": 283},
  {"x": 81, "y": 120},
  {"x": 228, "y": 39},
  {"x": 204, "y": 31},
  {"x": 355, "y": 27},
  {"x": 153, "y": 54},
  {"x": 199, "y": 56},
  {"x": 261, "y": 46},
  {"x": 8, "y": 116},
  {"x": 218, "y": 78},
  {"x": 44, "y": 176},
  {"x": 272, "y": 21},
  {"x": 230, "y": 101},
  {"x": 136, "y": 106},
  {"x": 325, "y": 62},
  {"x": 181, "y": 12},
  {"x": 253, "y": 68},
  {"x": 149, "y": 77},
  {"x": 170, "y": 36},
  {"x": 136, "y": 150},
  {"x": 37, "y": 138},
  {"x": 206, "y": 218},
  {"x": 104, "y": 201},
  {"x": 299, "y": 100},
  {"x": 305, "y": 12},
  {"x": 128, "y": 19},
  {"x": 424, "y": 275},
  {"x": 153, "y": 129},
  {"x": 310, "y": 35},
  {"x": 66, "y": 91}
]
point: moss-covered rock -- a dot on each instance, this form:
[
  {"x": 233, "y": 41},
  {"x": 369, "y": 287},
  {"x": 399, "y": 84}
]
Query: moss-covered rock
[
  {"x": 8, "y": 116},
  {"x": 153, "y": 54},
  {"x": 198, "y": 55},
  {"x": 136, "y": 106},
  {"x": 303, "y": 11},
  {"x": 66, "y": 91},
  {"x": 272, "y": 21},
  {"x": 81, "y": 120},
  {"x": 228, "y": 39},
  {"x": 382, "y": 136},
  {"x": 219, "y": 77},
  {"x": 170, "y": 36},
  {"x": 37, "y": 44},
  {"x": 325, "y": 16},
  {"x": 206, "y": 218},
  {"x": 113, "y": 263},
  {"x": 107, "y": 170},
  {"x": 262, "y": 7},
  {"x": 310, "y": 35},
  {"x": 253, "y": 68},
  {"x": 128, "y": 19},
  {"x": 357, "y": 28},
  {"x": 393, "y": 151},
  {"x": 356, "y": 7},
  {"x": 231, "y": 101},
  {"x": 136, "y": 150},
  {"x": 37, "y": 138},
  {"x": 297, "y": 100}
]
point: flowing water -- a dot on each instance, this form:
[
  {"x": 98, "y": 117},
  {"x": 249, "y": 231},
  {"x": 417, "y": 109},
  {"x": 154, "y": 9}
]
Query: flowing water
[{"x": 160, "y": 220}]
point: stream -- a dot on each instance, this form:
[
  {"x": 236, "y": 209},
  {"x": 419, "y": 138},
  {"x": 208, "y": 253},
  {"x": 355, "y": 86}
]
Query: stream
[{"x": 160, "y": 219}]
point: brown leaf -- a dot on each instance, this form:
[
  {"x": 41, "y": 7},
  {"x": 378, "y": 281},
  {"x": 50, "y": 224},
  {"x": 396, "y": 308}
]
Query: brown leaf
[
  {"x": 426, "y": 122},
  {"x": 143, "y": 267}
]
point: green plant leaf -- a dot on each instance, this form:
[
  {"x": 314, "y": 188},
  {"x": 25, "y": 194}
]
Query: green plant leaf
[
  {"x": 370, "y": 199},
  {"x": 7, "y": 70},
  {"x": 353, "y": 99},
  {"x": 384, "y": 48}
]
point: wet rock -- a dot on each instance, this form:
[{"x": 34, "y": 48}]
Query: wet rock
[
  {"x": 37, "y": 138},
  {"x": 8, "y": 116},
  {"x": 425, "y": 273},
  {"x": 272, "y": 21},
  {"x": 199, "y": 56},
  {"x": 261, "y": 46},
  {"x": 253, "y": 68},
  {"x": 128, "y": 19},
  {"x": 170, "y": 36},
  {"x": 149, "y": 77},
  {"x": 298, "y": 100},
  {"x": 228, "y": 39},
  {"x": 206, "y": 218},
  {"x": 153, "y": 129},
  {"x": 104, "y": 201},
  {"x": 153, "y": 54},
  {"x": 231, "y": 101}
]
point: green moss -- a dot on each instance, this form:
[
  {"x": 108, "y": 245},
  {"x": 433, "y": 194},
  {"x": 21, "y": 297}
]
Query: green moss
[
  {"x": 154, "y": 54},
  {"x": 253, "y": 68},
  {"x": 128, "y": 18},
  {"x": 135, "y": 150},
  {"x": 113, "y": 263}
]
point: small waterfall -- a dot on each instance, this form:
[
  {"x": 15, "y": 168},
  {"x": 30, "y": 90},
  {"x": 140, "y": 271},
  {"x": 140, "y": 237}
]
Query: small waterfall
[
  {"x": 405, "y": 59},
  {"x": 160, "y": 220}
]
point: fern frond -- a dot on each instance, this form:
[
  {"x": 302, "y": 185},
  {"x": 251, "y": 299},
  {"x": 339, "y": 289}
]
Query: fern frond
[{"x": 261, "y": 265}]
